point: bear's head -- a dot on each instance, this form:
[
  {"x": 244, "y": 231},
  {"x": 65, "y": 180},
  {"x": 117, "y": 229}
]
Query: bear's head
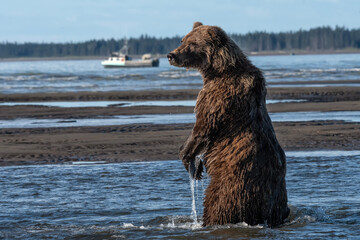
[{"x": 206, "y": 48}]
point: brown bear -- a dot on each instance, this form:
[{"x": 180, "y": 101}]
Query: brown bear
[{"x": 233, "y": 133}]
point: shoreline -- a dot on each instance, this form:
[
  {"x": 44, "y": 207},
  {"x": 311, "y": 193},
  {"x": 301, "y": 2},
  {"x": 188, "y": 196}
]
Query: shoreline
[{"x": 262, "y": 53}]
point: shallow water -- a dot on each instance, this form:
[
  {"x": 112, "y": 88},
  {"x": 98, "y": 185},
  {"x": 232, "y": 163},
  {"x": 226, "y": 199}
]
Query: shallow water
[
  {"x": 89, "y": 75},
  {"x": 75, "y": 104},
  {"x": 309, "y": 67},
  {"x": 153, "y": 200},
  {"x": 347, "y": 116}
]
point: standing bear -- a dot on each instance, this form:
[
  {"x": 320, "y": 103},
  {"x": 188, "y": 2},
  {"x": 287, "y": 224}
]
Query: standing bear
[{"x": 233, "y": 133}]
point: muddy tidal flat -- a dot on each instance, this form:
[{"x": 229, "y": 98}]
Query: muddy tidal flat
[{"x": 159, "y": 140}]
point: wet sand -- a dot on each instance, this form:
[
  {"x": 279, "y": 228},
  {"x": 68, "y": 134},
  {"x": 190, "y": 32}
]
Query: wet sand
[
  {"x": 144, "y": 142},
  {"x": 316, "y": 94}
]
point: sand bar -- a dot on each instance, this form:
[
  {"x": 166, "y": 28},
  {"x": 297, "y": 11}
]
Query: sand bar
[
  {"x": 142, "y": 142},
  {"x": 307, "y": 93},
  {"x": 150, "y": 142}
]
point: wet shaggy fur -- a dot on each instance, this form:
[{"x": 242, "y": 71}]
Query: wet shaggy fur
[{"x": 233, "y": 133}]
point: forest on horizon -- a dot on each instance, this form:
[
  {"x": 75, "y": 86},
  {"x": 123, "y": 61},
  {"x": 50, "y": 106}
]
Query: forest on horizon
[{"x": 315, "y": 39}]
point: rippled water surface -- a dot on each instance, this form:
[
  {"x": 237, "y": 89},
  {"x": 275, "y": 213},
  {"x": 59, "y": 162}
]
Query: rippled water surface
[
  {"x": 347, "y": 116},
  {"x": 152, "y": 200},
  {"x": 89, "y": 75},
  {"x": 70, "y": 104}
]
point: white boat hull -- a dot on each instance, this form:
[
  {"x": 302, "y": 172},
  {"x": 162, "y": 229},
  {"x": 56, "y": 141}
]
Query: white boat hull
[{"x": 127, "y": 64}]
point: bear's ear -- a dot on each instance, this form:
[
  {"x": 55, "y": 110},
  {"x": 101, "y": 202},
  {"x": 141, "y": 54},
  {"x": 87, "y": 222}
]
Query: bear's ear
[{"x": 197, "y": 24}]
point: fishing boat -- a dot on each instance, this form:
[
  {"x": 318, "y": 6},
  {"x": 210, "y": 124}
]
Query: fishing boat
[{"x": 122, "y": 59}]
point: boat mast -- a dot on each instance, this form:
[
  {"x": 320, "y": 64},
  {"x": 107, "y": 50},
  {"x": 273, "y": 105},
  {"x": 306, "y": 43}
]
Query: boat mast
[{"x": 125, "y": 49}]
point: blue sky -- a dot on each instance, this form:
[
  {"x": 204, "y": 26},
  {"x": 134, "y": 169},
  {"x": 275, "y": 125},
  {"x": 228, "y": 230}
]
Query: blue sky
[{"x": 81, "y": 20}]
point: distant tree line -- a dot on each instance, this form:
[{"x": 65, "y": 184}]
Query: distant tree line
[{"x": 321, "y": 38}]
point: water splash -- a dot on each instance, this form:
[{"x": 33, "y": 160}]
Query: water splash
[{"x": 193, "y": 203}]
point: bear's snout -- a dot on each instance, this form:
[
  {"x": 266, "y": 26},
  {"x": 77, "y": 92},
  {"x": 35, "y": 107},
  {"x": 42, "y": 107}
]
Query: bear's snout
[{"x": 171, "y": 57}]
